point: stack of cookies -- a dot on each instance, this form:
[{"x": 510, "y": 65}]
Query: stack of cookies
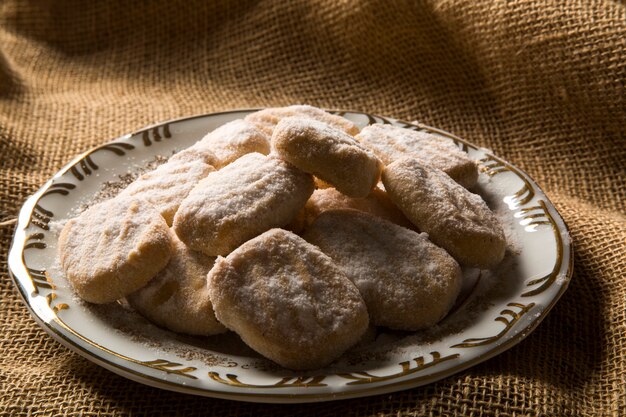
[{"x": 293, "y": 229}]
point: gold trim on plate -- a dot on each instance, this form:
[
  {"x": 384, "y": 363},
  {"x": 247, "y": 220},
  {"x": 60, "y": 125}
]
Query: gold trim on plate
[
  {"x": 548, "y": 279},
  {"x": 359, "y": 378},
  {"x": 285, "y": 382},
  {"x": 508, "y": 324}
]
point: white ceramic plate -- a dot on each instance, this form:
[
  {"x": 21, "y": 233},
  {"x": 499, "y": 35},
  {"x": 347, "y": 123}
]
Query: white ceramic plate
[{"x": 495, "y": 311}]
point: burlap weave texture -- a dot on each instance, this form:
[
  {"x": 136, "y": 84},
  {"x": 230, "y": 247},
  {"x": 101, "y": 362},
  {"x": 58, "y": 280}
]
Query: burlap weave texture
[{"x": 542, "y": 83}]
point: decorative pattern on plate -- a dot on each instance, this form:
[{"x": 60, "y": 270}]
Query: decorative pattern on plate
[
  {"x": 359, "y": 378},
  {"x": 85, "y": 166},
  {"x": 39, "y": 279},
  {"x": 156, "y": 135},
  {"x": 170, "y": 367},
  {"x": 57, "y": 307},
  {"x": 285, "y": 382},
  {"x": 34, "y": 249},
  {"x": 547, "y": 280},
  {"x": 36, "y": 243},
  {"x": 508, "y": 324},
  {"x": 492, "y": 165}
]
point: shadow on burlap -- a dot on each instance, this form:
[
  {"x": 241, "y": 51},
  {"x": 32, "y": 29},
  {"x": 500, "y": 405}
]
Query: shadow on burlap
[{"x": 542, "y": 83}]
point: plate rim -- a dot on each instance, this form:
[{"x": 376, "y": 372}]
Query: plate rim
[{"x": 26, "y": 212}]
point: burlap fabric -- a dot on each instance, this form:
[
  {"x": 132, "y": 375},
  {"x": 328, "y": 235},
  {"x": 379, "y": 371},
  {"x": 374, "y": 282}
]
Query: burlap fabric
[{"x": 540, "y": 82}]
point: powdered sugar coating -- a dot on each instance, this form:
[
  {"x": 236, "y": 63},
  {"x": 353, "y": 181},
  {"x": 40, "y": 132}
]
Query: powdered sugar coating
[
  {"x": 454, "y": 218},
  {"x": 177, "y": 298},
  {"x": 390, "y": 143},
  {"x": 167, "y": 185},
  {"x": 287, "y": 300},
  {"x": 114, "y": 248},
  {"x": 240, "y": 201},
  {"x": 233, "y": 140},
  {"x": 267, "y": 119},
  {"x": 407, "y": 282},
  {"x": 328, "y": 153},
  {"x": 192, "y": 154}
]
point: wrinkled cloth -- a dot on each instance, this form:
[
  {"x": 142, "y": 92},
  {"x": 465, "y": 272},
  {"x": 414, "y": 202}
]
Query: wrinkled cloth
[{"x": 541, "y": 82}]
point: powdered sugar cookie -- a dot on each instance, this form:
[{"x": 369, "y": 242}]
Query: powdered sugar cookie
[
  {"x": 177, "y": 298},
  {"x": 320, "y": 185},
  {"x": 287, "y": 300},
  {"x": 114, "y": 248},
  {"x": 390, "y": 143},
  {"x": 240, "y": 201},
  {"x": 191, "y": 154},
  {"x": 407, "y": 282},
  {"x": 167, "y": 185},
  {"x": 376, "y": 203},
  {"x": 233, "y": 140},
  {"x": 454, "y": 218},
  {"x": 267, "y": 119},
  {"x": 328, "y": 153}
]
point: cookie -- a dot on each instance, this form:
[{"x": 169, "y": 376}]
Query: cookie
[
  {"x": 267, "y": 119},
  {"x": 192, "y": 153},
  {"x": 328, "y": 153},
  {"x": 376, "y": 203},
  {"x": 233, "y": 140},
  {"x": 177, "y": 298},
  {"x": 114, "y": 248},
  {"x": 407, "y": 282},
  {"x": 454, "y": 218},
  {"x": 390, "y": 143},
  {"x": 166, "y": 186},
  {"x": 287, "y": 300},
  {"x": 245, "y": 198},
  {"x": 320, "y": 185}
]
